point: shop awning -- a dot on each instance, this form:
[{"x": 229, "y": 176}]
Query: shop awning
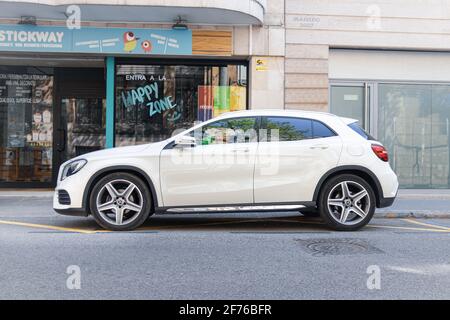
[{"x": 214, "y": 12}]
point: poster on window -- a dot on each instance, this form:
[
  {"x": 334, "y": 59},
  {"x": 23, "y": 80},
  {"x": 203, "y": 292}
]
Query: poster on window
[
  {"x": 238, "y": 98},
  {"x": 22, "y": 94},
  {"x": 221, "y": 100},
  {"x": 42, "y": 124},
  {"x": 16, "y": 126},
  {"x": 215, "y": 100},
  {"x": 205, "y": 103}
]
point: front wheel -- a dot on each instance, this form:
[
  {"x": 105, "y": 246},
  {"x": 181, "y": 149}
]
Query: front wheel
[
  {"x": 120, "y": 201},
  {"x": 347, "y": 203}
]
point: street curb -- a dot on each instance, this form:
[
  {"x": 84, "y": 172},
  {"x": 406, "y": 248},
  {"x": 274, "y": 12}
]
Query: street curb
[
  {"x": 27, "y": 196},
  {"x": 420, "y": 214}
]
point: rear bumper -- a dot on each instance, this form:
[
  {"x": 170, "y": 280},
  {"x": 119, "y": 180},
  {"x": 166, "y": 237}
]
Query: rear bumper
[
  {"x": 389, "y": 187},
  {"x": 386, "y": 202}
]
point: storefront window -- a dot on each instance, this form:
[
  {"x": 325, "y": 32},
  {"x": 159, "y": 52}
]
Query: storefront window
[
  {"x": 414, "y": 126},
  {"x": 348, "y": 101},
  {"x": 152, "y": 101},
  {"x": 26, "y": 124}
]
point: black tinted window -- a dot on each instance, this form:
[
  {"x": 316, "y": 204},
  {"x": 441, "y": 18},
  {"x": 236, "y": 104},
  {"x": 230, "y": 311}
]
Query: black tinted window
[
  {"x": 287, "y": 129},
  {"x": 355, "y": 127},
  {"x": 321, "y": 131}
]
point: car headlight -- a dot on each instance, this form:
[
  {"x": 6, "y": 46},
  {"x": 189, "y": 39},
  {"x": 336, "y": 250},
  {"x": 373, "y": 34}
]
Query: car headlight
[{"x": 73, "y": 167}]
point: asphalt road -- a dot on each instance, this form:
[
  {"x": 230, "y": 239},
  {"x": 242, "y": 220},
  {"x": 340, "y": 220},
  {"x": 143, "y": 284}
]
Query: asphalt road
[{"x": 218, "y": 256}]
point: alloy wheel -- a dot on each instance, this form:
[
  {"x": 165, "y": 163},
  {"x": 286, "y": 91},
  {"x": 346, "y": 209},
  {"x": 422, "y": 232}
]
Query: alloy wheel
[
  {"x": 348, "y": 202},
  {"x": 119, "y": 202}
]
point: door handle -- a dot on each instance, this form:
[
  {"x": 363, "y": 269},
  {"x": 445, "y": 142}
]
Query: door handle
[
  {"x": 319, "y": 146},
  {"x": 245, "y": 150}
]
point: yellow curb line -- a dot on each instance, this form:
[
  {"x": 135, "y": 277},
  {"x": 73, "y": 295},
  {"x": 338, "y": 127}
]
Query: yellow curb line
[
  {"x": 433, "y": 228},
  {"x": 439, "y": 229},
  {"x": 427, "y": 224},
  {"x": 44, "y": 226}
]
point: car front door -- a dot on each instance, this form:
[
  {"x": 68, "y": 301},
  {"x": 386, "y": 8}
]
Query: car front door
[
  {"x": 293, "y": 154},
  {"x": 217, "y": 170}
]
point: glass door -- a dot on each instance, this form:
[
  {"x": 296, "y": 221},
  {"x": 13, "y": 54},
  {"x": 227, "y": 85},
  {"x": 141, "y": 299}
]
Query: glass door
[
  {"x": 80, "y": 112},
  {"x": 352, "y": 100},
  {"x": 83, "y": 127}
]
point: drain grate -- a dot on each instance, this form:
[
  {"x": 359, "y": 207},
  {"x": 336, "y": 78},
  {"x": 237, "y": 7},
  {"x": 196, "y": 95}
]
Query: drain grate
[{"x": 337, "y": 246}]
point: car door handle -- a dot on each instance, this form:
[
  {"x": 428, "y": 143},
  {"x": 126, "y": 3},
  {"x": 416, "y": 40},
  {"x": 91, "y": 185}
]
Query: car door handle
[
  {"x": 319, "y": 146},
  {"x": 245, "y": 150}
]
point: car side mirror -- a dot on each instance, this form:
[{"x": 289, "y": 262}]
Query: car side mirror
[{"x": 185, "y": 142}]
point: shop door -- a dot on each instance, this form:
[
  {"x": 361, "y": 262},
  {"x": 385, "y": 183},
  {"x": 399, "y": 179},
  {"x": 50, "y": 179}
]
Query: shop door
[{"x": 81, "y": 112}]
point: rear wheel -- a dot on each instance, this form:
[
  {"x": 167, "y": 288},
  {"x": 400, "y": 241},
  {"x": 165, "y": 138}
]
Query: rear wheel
[
  {"x": 120, "y": 201},
  {"x": 347, "y": 202}
]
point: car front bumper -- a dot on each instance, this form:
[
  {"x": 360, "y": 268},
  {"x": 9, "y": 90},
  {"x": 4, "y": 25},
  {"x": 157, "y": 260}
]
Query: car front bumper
[
  {"x": 63, "y": 208},
  {"x": 80, "y": 212},
  {"x": 69, "y": 193}
]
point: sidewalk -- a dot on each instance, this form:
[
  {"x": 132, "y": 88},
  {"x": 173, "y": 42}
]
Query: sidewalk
[
  {"x": 416, "y": 203},
  {"x": 25, "y": 193}
]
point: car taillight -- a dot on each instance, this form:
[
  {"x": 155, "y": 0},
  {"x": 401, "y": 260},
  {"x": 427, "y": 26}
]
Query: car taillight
[{"x": 381, "y": 152}]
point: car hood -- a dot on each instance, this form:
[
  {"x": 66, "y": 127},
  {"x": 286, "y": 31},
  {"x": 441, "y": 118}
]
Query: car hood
[{"x": 115, "y": 152}]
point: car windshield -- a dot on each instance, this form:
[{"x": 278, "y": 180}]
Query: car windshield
[{"x": 357, "y": 128}]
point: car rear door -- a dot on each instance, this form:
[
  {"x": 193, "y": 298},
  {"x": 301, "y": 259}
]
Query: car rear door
[{"x": 293, "y": 154}]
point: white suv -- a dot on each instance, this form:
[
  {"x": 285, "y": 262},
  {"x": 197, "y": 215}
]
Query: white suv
[{"x": 316, "y": 163}]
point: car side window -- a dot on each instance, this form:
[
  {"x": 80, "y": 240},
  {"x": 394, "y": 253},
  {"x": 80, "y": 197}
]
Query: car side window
[
  {"x": 321, "y": 131},
  {"x": 286, "y": 129},
  {"x": 234, "y": 130}
]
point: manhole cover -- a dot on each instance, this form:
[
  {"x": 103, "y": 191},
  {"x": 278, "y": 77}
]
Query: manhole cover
[{"x": 337, "y": 246}]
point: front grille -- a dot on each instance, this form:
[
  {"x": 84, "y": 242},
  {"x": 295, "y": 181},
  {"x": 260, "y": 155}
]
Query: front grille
[{"x": 63, "y": 197}]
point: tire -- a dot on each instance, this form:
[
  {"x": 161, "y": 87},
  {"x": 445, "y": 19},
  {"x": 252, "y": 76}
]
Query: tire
[
  {"x": 344, "y": 206},
  {"x": 310, "y": 212},
  {"x": 120, "y": 192}
]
